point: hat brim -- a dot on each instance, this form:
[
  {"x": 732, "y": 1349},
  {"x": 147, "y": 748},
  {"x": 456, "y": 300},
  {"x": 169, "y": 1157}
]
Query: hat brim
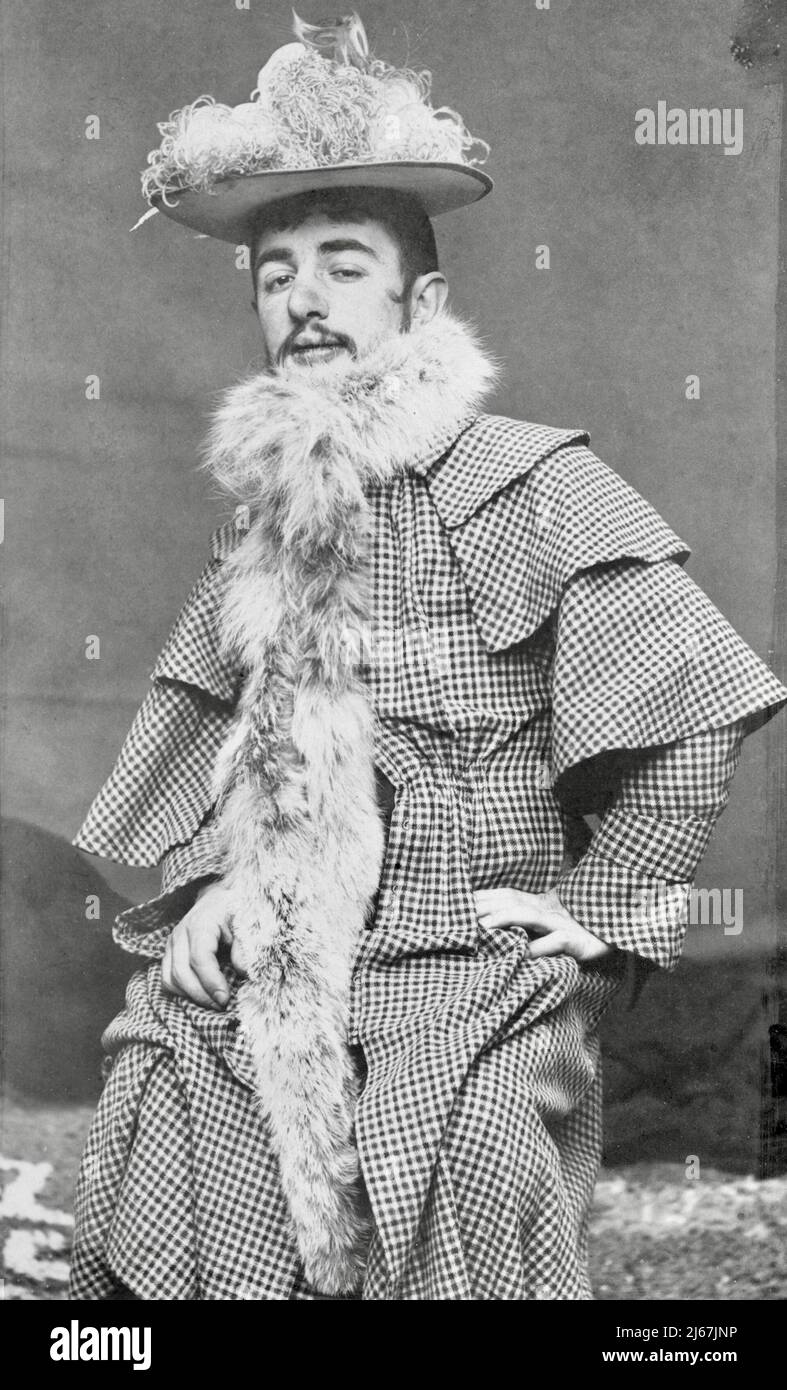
[{"x": 232, "y": 207}]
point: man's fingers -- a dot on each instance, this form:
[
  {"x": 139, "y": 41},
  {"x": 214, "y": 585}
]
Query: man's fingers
[
  {"x": 529, "y": 915},
  {"x": 189, "y": 985},
  {"x": 547, "y": 923},
  {"x": 552, "y": 929},
  {"x": 238, "y": 959},
  {"x": 553, "y": 944},
  {"x": 206, "y": 968},
  {"x": 509, "y": 907},
  {"x": 183, "y": 980},
  {"x": 501, "y": 919}
]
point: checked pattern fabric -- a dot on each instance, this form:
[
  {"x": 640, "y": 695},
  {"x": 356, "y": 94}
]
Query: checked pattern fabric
[{"x": 536, "y": 655}]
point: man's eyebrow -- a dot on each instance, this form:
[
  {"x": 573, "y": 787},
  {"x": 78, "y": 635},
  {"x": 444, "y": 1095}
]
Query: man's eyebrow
[
  {"x": 346, "y": 244},
  {"x": 326, "y": 248},
  {"x": 274, "y": 253}
]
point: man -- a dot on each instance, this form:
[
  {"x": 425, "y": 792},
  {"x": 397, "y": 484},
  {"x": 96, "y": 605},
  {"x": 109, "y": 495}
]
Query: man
[{"x": 364, "y": 1059}]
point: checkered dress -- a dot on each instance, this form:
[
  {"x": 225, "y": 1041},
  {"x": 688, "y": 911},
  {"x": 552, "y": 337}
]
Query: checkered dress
[{"x": 536, "y": 654}]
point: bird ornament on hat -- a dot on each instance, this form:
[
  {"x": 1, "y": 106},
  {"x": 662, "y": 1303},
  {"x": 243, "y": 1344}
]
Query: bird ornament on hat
[{"x": 325, "y": 113}]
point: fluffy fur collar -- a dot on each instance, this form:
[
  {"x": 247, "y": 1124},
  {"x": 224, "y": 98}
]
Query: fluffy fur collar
[
  {"x": 384, "y": 410},
  {"x": 297, "y": 813}
]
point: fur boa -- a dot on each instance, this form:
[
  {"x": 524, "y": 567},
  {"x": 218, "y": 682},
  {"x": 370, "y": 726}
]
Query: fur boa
[{"x": 301, "y": 834}]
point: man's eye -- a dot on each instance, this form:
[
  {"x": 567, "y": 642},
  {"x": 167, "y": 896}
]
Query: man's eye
[
  {"x": 347, "y": 272},
  {"x": 277, "y": 282}
]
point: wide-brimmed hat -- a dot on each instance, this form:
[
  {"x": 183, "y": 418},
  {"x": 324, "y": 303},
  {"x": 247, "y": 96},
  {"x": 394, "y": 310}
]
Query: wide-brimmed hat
[{"x": 324, "y": 114}]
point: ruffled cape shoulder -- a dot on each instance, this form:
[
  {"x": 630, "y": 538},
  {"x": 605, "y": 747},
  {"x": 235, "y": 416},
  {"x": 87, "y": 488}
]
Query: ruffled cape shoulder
[{"x": 544, "y": 532}]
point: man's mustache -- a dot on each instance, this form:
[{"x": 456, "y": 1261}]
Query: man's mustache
[{"x": 315, "y": 337}]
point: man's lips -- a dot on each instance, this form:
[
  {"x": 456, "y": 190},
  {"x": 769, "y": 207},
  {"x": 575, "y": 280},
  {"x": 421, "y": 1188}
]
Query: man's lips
[
  {"x": 308, "y": 347},
  {"x": 320, "y": 349}
]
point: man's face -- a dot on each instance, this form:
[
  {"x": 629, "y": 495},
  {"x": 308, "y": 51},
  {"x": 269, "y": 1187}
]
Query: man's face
[{"x": 325, "y": 288}]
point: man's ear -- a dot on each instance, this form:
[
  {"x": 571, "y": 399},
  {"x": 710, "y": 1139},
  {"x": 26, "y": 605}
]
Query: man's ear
[{"x": 428, "y": 296}]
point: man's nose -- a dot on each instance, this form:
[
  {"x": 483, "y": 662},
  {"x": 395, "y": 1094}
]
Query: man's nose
[{"x": 307, "y": 300}]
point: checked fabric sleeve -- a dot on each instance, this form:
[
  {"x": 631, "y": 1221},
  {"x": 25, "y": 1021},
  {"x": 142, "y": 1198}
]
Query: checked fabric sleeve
[
  {"x": 631, "y": 886},
  {"x": 157, "y": 798},
  {"x": 652, "y": 694}
]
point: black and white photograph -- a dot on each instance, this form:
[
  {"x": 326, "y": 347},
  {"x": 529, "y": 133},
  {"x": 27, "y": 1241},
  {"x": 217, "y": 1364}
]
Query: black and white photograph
[{"x": 393, "y": 747}]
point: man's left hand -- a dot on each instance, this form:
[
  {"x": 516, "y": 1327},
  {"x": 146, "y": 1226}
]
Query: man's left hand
[{"x": 558, "y": 933}]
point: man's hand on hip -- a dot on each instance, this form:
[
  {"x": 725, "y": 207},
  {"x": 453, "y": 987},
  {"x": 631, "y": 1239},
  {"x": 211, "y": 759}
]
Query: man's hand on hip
[
  {"x": 543, "y": 913},
  {"x": 190, "y": 964}
]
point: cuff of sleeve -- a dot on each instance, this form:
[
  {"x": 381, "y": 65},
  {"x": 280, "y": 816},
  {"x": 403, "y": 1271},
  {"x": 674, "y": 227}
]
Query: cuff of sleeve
[
  {"x": 144, "y": 930},
  {"x": 632, "y": 910},
  {"x": 200, "y": 858},
  {"x": 651, "y": 845}
]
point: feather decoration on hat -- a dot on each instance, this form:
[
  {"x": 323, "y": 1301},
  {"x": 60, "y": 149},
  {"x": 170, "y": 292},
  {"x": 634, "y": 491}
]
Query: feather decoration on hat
[
  {"x": 319, "y": 102},
  {"x": 345, "y": 36}
]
